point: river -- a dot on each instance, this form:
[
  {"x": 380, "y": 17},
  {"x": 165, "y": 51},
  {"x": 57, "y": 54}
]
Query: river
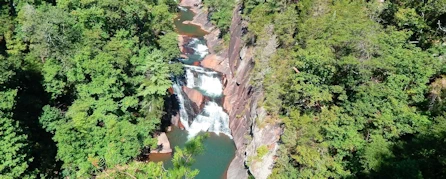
[{"x": 219, "y": 146}]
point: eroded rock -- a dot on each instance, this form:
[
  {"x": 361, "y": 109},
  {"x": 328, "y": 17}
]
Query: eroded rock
[
  {"x": 195, "y": 96},
  {"x": 163, "y": 144}
]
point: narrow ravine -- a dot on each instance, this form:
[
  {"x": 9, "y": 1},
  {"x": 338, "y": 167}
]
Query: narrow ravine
[{"x": 204, "y": 113}]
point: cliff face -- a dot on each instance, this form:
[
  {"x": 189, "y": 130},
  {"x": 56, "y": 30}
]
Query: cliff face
[{"x": 247, "y": 120}]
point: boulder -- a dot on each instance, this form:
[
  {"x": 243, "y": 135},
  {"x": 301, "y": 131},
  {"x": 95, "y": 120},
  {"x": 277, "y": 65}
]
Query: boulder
[
  {"x": 215, "y": 63},
  {"x": 194, "y": 95},
  {"x": 163, "y": 144}
]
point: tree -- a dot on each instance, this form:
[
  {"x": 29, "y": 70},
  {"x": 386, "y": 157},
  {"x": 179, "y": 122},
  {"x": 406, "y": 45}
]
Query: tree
[
  {"x": 13, "y": 150},
  {"x": 182, "y": 161},
  {"x": 354, "y": 90},
  {"x": 220, "y": 13}
]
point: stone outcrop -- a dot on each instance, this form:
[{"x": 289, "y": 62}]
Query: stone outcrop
[
  {"x": 201, "y": 19},
  {"x": 163, "y": 144},
  {"x": 264, "y": 134},
  {"x": 195, "y": 96},
  {"x": 241, "y": 102},
  {"x": 241, "y": 98},
  {"x": 215, "y": 62}
]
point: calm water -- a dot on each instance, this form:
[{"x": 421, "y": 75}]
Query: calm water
[
  {"x": 185, "y": 14},
  {"x": 213, "y": 163},
  {"x": 219, "y": 149}
]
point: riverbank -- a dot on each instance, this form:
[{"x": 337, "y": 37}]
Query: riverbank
[
  {"x": 240, "y": 97},
  {"x": 199, "y": 93}
]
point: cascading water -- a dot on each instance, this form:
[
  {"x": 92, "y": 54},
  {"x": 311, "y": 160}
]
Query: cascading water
[
  {"x": 184, "y": 116},
  {"x": 206, "y": 81},
  {"x": 182, "y": 8},
  {"x": 199, "y": 48},
  {"x": 195, "y": 50},
  {"x": 219, "y": 149},
  {"x": 212, "y": 119}
]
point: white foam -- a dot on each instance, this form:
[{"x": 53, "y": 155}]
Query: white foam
[
  {"x": 199, "y": 48},
  {"x": 200, "y": 69},
  {"x": 182, "y": 8},
  {"x": 206, "y": 81},
  {"x": 212, "y": 119},
  {"x": 184, "y": 118}
]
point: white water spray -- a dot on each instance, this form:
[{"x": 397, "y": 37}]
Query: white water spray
[
  {"x": 199, "y": 48},
  {"x": 184, "y": 118},
  {"x": 212, "y": 119},
  {"x": 182, "y": 8},
  {"x": 204, "y": 80}
]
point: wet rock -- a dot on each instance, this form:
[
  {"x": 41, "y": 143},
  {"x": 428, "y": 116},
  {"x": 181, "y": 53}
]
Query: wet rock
[
  {"x": 175, "y": 119},
  {"x": 201, "y": 19},
  {"x": 180, "y": 125},
  {"x": 195, "y": 96},
  {"x": 240, "y": 98},
  {"x": 181, "y": 42},
  {"x": 170, "y": 90}
]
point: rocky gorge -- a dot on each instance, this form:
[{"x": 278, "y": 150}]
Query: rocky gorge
[{"x": 247, "y": 119}]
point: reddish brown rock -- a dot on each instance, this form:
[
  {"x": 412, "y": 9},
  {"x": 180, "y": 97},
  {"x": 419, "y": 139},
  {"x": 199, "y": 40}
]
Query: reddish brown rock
[
  {"x": 184, "y": 56},
  {"x": 194, "y": 95},
  {"x": 170, "y": 90},
  {"x": 181, "y": 42},
  {"x": 201, "y": 19},
  {"x": 240, "y": 100},
  {"x": 180, "y": 125},
  {"x": 215, "y": 63}
]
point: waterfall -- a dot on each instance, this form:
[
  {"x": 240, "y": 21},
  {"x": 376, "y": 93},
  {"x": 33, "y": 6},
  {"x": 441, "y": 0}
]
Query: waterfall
[
  {"x": 195, "y": 50},
  {"x": 184, "y": 104},
  {"x": 182, "y": 8},
  {"x": 204, "y": 80},
  {"x": 211, "y": 119},
  {"x": 199, "y": 47}
]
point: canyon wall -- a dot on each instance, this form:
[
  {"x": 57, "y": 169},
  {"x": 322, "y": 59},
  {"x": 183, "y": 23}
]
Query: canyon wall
[{"x": 247, "y": 119}]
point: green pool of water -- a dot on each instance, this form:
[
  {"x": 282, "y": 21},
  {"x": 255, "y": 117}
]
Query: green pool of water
[
  {"x": 187, "y": 29},
  {"x": 219, "y": 150}
]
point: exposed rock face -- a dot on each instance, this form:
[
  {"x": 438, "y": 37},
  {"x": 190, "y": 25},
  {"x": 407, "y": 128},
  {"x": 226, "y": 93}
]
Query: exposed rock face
[
  {"x": 264, "y": 135},
  {"x": 201, "y": 19},
  {"x": 163, "y": 143},
  {"x": 215, "y": 62},
  {"x": 241, "y": 99},
  {"x": 194, "y": 95},
  {"x": 235, "y": 44}
]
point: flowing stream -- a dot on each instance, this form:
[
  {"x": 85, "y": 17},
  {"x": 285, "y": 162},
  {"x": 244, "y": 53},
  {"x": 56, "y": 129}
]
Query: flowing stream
[{"x": 211, "y": 118}]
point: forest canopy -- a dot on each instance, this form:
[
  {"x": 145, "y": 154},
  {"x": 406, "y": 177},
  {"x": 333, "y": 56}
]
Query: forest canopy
[
  {"x": 359, "y": 86},
  {"x": 83, "y": 83},
  {"x": 363, "y": 93}
]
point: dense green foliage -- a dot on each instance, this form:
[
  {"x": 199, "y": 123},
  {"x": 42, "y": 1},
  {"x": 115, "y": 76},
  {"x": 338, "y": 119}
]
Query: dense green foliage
[
  {"x": 13, "y": 145},
  {"x": 220, "y": 13},
  {"x": 359, "y": 86},
  {"x": 83, "y": 83},
  {"x": 362, "y": 92},
  {"x": 182, "y": 161}
]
